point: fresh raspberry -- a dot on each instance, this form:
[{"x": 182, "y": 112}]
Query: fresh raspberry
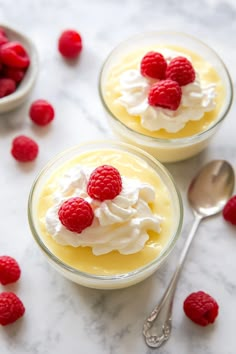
[
  {"x": 13, "y": 73},
  {"x": 153, "y": 65},
  {"x": 229, "y": 211},
  {"x": 15, "y": 55},
  {"x": 7, "y": 86},
  {"x": 181, "y": 70},
  {"x": 104, "y": 183},
  {"x": 11, "y": 308},
  {"x": 70, "y": 44},
  {"x": 201, "y": 308},
  {"x": 24, "y": 149},
  {"x": 41, "y": 112},
  {"x": 76, "y": 214},
  {"x": 165, "y": 94},
  {"x": 9, "y": 270}
]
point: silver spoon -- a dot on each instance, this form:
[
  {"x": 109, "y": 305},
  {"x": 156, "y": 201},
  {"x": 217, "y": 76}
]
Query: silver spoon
[{"x": 207, "y": 195}]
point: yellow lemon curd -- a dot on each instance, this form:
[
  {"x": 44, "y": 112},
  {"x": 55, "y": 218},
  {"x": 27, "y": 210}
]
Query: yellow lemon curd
[
  {"x": 113, "y": 263},
  {"x": 207, "y": 73}
]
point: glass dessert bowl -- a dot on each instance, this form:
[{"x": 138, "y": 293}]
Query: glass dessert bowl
[
  {"x": 169, "y": 133},
  {"x": 129, "y": 236}
]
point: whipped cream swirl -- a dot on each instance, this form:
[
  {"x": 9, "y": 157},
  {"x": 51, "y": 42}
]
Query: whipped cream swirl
[
  {"x": 120, "y": 224},
  {"x": 197, "y": 98}
]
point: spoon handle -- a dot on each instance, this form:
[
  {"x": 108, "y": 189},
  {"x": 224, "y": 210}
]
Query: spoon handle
[{"x": 157, "y": 327}]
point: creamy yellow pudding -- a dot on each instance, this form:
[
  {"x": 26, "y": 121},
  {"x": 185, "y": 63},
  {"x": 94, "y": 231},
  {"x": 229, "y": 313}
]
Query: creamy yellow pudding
[
  {"x": 168, "y": 135},
  {"x": 207, "y": 73},
  {"x": 82, "y": 258},
  {"x": 81, "y": 264}
]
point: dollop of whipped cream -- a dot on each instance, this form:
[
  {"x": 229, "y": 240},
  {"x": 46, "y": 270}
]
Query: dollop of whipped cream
[
  {"x": 120, "y": 224},
  {"x": 197, "y": 98}
]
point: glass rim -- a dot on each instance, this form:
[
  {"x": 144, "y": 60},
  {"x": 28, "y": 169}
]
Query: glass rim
[
  {"x": 129, "y": 275},
  {"x": 185, "y": 140}
]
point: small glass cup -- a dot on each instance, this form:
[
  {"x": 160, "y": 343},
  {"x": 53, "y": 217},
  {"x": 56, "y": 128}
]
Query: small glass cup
[
  {"x": 166, "y": 150},
  {"x": 104, "y": 281}
]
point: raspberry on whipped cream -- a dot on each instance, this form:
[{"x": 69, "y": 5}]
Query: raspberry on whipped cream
[
  {"x": 198, "y": 97},
  {"x": 120, "y": 224}
]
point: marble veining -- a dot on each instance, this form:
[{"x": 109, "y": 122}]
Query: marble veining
[{"x": 62, "y": 317}]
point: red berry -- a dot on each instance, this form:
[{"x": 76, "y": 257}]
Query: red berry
[
  {"x": 7, "y": 86},
  {"x": 76, "y": 214},
  {"x": 9, "y": 270},
  {"x": 165, "y": 94},
  {"x": 229, "y": 211},
  {"x": 104, "y": 183},
  {"x": 153, "y": 65},
  {"x": 24, "y": 149},
  {"x": 13, "y": 73},
  {"x": 201, "y": 308},
  {"x": 41, "y": 112},
  {"x": 15, "y": 55},
  {"x": 70, "y": 44},
  {"x": 181, "y": 70},
  {"x": 11, "y": 308}
]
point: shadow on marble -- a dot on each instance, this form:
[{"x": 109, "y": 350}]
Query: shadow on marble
[
  {"x": 71, "y": 62},
  {"x": 41, "y": 131},
  {"x": 26, "y": 167},
  {"x": 14, "y": 120},
  {"x": 14, "y": 330},
  {"x": 14, "y": 287},
  {"x": 184, "y": 171}
]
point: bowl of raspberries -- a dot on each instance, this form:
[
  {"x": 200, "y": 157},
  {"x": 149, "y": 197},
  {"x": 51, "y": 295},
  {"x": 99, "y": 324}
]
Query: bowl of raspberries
[{"x": 18, "y": 68}]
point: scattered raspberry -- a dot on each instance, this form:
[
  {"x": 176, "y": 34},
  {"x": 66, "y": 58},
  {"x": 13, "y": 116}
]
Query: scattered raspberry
[
  {"x": 24, "y": 149},
  {"x": 11, "y": 308},
  {"x": 7, "y": 86},
  {"x": 180, "y": 70},
  {"x": 165, "y": 94},
  {"x": 9, "y": 270},
  {"x": 41, "y": 112},
  {"x": 201, "y": 308},
  {"x": 13, "y": 73},
  {"x": 15, "y": 55},
  {"x": 153, "y": 65},
  {"x": 229, "y": 211},
  {"x": 76, "y": 214},
  {"x": 70, "y": 44},
  {"x": 104, "y": 183}
]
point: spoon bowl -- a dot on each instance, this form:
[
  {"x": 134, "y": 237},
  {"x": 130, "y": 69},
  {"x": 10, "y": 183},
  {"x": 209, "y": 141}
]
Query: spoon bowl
[{"x": 211, "y": 188}]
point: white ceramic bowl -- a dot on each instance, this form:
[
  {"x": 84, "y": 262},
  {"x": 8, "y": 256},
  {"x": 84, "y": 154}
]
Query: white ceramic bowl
[{"x": 16, "y": 98}]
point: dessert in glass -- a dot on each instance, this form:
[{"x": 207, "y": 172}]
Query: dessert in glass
[
  {"x": 106, "y": 214},
  {"x": 165, "y": 92}
]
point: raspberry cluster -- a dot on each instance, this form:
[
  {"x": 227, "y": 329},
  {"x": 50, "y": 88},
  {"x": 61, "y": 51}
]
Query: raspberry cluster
[
  {"x": 166, "y": 92},
  {"x": 11, "y": 307},
  {"x": 104, "y": 183},
  {"x": 14, "y": 61}
]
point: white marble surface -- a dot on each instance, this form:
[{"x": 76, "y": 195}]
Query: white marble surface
[{"x": 62, "y": 317}]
